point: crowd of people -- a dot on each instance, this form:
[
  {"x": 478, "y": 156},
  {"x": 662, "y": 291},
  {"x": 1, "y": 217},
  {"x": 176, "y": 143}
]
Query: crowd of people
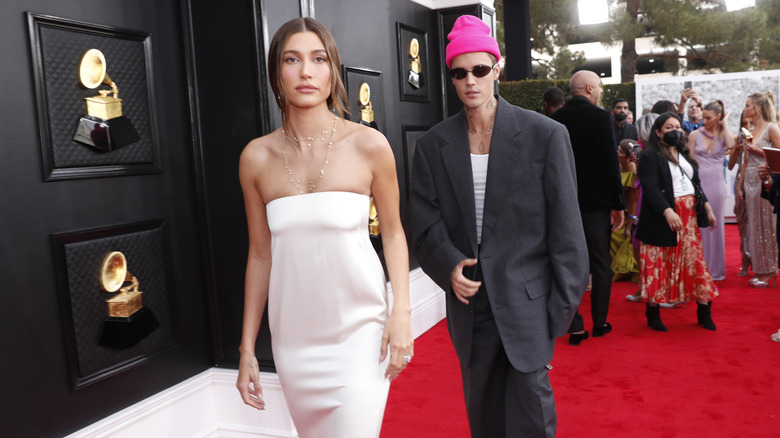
[
  {"x": 673, "y": 179},
  {"x": 512, "y": 247}
]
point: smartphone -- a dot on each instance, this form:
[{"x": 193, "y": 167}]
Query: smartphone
[
  {"x": 470, "y": 272},
  {"x": 688, "y": 84}
]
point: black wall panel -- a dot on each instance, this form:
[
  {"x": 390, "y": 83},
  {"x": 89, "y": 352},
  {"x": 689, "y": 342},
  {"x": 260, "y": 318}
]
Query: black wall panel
[{"x": 37, "y": 396}]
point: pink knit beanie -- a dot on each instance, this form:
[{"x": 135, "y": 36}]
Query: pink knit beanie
[{"x": 470, "y": 34}]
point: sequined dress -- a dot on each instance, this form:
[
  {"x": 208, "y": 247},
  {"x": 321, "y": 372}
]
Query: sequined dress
[
  {"x": 327, "y": 309},
  {"x": 761, "y": 243}
]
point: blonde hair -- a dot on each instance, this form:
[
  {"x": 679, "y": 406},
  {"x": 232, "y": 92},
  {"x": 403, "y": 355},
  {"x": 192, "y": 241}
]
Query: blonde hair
[
  {"x": 338, "y": 94},
  {"x": 765, "y": 105}
]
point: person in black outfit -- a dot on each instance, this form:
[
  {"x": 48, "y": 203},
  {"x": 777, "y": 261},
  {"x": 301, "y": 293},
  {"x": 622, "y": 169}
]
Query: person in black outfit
[
  {"x": 599, "y": 190},
  {"x": 623, "y": 129},
  {"x": 552, "y": 100}
]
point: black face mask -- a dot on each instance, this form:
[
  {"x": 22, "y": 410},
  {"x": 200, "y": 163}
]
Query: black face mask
[
  {"x": 620, "y": 116},
  {"x": 673, "y": 138}
]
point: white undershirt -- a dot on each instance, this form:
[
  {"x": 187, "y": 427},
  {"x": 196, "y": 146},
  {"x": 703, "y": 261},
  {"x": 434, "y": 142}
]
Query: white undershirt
[
  {"x": 682, "y": 184},
  {"x": 479, "y": 166}
]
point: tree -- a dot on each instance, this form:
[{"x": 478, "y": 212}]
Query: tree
[
  {"x": 552, "y": 21},
  {"x": 712, "y": 38}
]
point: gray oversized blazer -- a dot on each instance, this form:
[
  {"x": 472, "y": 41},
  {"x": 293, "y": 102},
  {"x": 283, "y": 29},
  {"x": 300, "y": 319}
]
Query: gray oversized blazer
[{"x": 533, "y": 253}]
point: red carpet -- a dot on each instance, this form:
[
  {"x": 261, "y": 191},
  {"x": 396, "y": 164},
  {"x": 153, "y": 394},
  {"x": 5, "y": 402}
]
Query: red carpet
[{"x": 634, "y": 382}]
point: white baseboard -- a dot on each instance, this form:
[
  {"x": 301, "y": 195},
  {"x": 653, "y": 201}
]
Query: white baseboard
[{"x": 208, "y": 405}]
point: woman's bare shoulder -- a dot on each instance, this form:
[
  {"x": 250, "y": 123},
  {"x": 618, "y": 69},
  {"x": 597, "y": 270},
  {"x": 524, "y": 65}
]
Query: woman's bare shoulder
[
  {"x": 365, "y": 138},
  {"x": 261, "y": 148}
]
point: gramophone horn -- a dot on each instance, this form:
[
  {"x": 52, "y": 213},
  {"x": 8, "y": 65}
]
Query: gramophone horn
[
  {"x": 113, "y": 272},
  {"x": 92, "y": 71}
]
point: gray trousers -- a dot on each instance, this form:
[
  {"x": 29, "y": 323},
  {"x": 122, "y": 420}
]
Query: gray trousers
[{"x": 501, "y": 401}]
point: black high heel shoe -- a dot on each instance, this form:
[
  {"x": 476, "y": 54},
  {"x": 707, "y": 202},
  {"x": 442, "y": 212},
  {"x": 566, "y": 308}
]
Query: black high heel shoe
[
  {"x": 704, "y": 315},
  {"x": 653, "y": 314}
]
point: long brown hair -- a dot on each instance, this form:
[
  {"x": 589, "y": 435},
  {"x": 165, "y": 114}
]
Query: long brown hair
[
  {"x": 338, "y": 94},
  {"x": 718, "y": 108}
]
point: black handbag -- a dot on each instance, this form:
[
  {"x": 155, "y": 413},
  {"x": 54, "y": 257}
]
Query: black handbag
[{"x": 702, "y": 219}]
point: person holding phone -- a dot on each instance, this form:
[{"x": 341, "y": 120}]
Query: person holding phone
[
  {"x": 691, "y": 97},
  {"x": 624, "y": 263},
  {"x": 760, "y": 107}
]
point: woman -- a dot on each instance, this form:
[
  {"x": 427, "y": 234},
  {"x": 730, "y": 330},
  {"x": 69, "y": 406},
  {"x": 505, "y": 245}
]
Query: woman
[
  {"x": 761, "y": 221},
  {"x": 306, "y": 192},
  {"x": 644, "y": 125},
  {"x": 710, "y": 143},
  {"x": 671, "y": 265},
  {"x": 735, "y": 158},
  {"x": 624, "y": 264},
  {"x": 771, "y": 182}
]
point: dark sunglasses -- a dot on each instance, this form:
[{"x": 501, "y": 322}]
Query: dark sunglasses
[{"x": 478, "y": 71}]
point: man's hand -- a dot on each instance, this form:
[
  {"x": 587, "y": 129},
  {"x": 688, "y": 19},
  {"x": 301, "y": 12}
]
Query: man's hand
[{"x": 462, "y": 286}]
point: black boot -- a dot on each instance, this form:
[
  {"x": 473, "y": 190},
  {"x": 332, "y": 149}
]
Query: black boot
[
  {"x": 704, "y": 315},
  {"x": 653, "y": 315}
]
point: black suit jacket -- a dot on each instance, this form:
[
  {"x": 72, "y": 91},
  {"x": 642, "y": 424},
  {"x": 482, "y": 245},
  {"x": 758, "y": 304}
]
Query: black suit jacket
[
  {"x": 657, "y": 195},
  {"x": 628, "y": 132},
  {"x": 593, "y": 142},
  {"x": 533, "y": 253}
]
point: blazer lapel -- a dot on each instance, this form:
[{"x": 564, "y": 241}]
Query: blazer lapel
[
  {"x": 456, "y": 156},
  {"x": 504, "y": 156}
]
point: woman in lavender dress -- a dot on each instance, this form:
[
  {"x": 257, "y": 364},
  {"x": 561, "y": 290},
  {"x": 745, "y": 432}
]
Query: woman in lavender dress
[{"x": 709, "y": 144}]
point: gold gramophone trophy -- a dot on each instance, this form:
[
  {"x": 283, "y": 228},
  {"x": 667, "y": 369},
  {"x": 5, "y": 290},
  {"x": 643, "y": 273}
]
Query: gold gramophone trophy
[
  {"x": 374, "y": 230},
  {"x": 104, "y": 127},
  {"x": 367, "y": 112},
  {"x": 415, "y": 67},
  {"x": 128, "y": 321}
]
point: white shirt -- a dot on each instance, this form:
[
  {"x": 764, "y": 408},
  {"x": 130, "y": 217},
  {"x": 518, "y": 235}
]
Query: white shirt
[
  {"x": 479, "y": 166},
  {"x": 682, "y": 183}
]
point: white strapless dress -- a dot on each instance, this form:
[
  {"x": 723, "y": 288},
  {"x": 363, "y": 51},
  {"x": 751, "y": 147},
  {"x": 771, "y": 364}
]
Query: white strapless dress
[{"x": 327, "y": 309}]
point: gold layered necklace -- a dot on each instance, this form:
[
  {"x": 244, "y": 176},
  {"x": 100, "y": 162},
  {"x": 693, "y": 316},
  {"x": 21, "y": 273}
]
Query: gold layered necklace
[{"x": 312, "y": 182}]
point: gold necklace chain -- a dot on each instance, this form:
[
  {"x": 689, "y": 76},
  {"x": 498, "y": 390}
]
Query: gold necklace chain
[
  {"x": 310, "y": 140},
  {"x": 312, "y": 184}
]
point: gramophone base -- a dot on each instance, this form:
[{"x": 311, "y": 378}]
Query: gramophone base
[
  {"x": 106, "y": 135},
  {"x": 371, "y": 124},
  {"x": 125, "y": 332}
]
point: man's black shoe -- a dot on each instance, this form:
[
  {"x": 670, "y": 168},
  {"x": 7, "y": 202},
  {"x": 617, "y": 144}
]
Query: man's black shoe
[
  {"x": 603, "y": 330},
  {"x": 576, "y": 338}
]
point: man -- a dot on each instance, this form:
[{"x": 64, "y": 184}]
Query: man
[
  {"x": 599, "y": 189},
  {"x": 552, "y": 99},
  {"x": 623, "y": 129},
  {"x": 694, "y": 121},
  {"x": 495, "y": 225}
]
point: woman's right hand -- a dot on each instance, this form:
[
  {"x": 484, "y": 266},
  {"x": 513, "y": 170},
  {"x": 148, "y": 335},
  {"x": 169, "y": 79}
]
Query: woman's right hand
[
  {"x": 763, "y": 171},
  {"x": 248, "y": 382},
  {"x": 673, "y": 219}
]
